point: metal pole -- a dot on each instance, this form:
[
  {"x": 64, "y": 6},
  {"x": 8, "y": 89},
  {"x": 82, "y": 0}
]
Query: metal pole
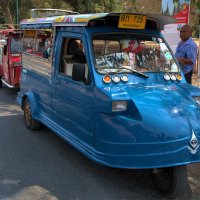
[
  {"x": 198, "y": 64},
  {"x": 17, "y": 13}
]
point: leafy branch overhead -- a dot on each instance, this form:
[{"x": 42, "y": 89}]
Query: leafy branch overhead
[{"x": 12, "y": 11}]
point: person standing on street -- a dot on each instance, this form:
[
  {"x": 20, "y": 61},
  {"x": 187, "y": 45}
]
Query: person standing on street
[{"x": 186, "y": 52}]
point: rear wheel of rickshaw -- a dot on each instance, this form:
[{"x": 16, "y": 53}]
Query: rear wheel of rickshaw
[
  {"x": 1, "y": 84},
  {"x": 172, "y": 181},
  {"x": 31, "y": 123}
]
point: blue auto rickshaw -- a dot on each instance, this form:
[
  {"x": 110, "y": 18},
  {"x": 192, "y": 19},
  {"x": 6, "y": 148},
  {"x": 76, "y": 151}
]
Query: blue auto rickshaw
[{"x": 119, "y": 97}]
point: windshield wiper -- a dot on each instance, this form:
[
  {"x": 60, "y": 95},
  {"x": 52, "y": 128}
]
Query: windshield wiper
[
  {"x": 125, "y": 67},
  {"x": 120, "y": 66},
  {"x": 134, "y": 71}
]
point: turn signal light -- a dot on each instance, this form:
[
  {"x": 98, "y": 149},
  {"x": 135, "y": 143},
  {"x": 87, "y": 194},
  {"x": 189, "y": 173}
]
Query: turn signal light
[
  {"x": 179, "y": 77},
  {"x": 106, "y": 79}
]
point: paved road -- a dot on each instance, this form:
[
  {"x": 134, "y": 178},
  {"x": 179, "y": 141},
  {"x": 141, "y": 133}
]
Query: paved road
[{"x": 38, "y": 165}]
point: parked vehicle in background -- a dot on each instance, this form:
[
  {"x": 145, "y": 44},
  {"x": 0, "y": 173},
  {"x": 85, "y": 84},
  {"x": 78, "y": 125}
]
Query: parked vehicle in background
[
  {"x": 1, "y": 64},
  {"x": 113, "y": 89},
  {"x": 10, "y": 57}
]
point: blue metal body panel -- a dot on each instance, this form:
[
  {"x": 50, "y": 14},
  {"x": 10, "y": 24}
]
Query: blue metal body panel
[{"x": 155, "y": 131}]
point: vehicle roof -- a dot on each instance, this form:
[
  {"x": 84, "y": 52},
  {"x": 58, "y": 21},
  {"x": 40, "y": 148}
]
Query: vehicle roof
[
  {"x": 8, "y": 31},
  {"x": 47, "y": 12},
  {"x": 84, "y": 19}
]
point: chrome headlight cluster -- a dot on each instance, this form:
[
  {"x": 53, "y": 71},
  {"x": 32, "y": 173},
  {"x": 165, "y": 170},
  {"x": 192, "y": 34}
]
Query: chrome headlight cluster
[
  {"x": 173, "y": 77},
  {"x": 115, "y": 78}
]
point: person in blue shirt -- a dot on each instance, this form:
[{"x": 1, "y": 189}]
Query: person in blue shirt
[{"x": 186, "y": 52}]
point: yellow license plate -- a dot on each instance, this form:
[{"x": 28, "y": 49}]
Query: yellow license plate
[{"x": 130, "y": 21}]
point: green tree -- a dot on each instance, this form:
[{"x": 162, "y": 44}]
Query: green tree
[
  {"x": 88, "y": 6},
  {"x": 5, "y": 8},
  {"x": 125, "y": 6},
  {"x": 8, "y": 8},
  {"x": 25, "y": 6}
]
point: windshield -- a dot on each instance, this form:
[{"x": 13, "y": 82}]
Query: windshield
[
  {"x": 117, "y": 53},
  {"x": 15, "y": 45}
]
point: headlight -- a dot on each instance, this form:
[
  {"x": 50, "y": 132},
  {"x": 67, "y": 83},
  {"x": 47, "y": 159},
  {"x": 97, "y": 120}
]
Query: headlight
[
  {"x": 197, "y": 99},
  {"x": 116, "y": 79},
  {"x": 119, "y": 106}
]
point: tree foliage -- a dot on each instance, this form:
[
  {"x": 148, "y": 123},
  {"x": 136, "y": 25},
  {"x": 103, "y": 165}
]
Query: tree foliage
[
  {"x": 8, "y": 8},
  {"x": 5, "y": 9},
  {"x": 88, "y": 6}
]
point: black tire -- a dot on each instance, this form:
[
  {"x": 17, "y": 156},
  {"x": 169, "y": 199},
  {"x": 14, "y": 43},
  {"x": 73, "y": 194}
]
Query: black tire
[
  {"x": 172, "y": 181},
  {"x": 1, "y": 84},
  {"x": 31, "y": 123}
]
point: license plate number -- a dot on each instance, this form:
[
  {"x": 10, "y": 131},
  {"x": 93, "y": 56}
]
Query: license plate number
[{"x": 130, "y": 21}]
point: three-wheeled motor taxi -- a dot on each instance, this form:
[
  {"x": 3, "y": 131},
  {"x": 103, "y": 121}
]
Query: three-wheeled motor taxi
[
  {"x": 112, "y": 88},
  {"x": 10, "y": 62}
]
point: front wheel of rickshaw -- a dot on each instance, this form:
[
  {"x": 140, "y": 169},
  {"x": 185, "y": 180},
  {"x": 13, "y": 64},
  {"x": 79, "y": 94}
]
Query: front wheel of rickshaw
[
  {"x": 31, "y": 123},
  {"x": 172, "y": 181}
]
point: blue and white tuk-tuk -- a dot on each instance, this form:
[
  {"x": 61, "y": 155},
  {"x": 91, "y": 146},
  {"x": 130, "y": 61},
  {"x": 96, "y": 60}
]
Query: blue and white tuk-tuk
[{"x": 112, "y": 88}]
